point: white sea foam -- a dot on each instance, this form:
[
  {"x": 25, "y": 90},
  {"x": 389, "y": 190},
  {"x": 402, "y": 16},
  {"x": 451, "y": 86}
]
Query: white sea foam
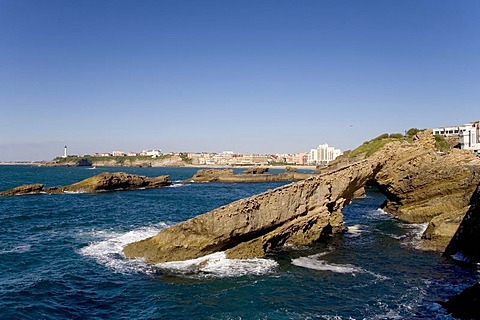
[
  {"x": 108, "y": 252},
  {"x": 378, "y": 213},
  {"x": 177, "y": 185},
  {"x": 217, "y": 265},
  {"x": 461, "y": 257},
  {"x": 414, "y": 234},
  {"x": 74, "y": 192},
  {"x": 313, "y": 262},
  {"x": 355, "y": 230}
]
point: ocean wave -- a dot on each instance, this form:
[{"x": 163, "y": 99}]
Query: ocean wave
[
  {"x": 356, "y": 230},
  {"x": 313, "y": 262},
  {"x": 18, "y": 249},
  {"x": 414, "y": 234},
  {"x": 177, "y": 185},
  {"x": 108, "y": 252},
  {"x": 378, "y": 214},
  {"x": 74, "y": 192},
  {"x": 218, "y": 266},
  {"x": 460, "y": 257}
]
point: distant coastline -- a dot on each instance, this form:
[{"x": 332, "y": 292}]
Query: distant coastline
[
  {"x": 20, "y": 163},
  {"x": 211, "y": 166}
]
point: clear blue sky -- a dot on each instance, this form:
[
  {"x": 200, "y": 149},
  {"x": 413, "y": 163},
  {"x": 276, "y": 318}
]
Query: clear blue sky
[{"x": 248, "y": 76}]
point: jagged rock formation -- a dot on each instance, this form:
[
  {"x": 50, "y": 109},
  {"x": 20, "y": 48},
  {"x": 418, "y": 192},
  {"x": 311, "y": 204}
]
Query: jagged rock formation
[
  {"x": 255, "y": 170},
  {"x": 211, "y": 175},
  {"x": 421, "y": 185},
  {"x": 227, "y": 175},
  {"x": 105, "y": 181},
  {"x": 424, "y": 186},
  {"x": 296, "y": 214}
]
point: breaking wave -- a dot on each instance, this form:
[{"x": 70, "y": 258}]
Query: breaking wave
[
  {"x": 356, "y": 230},
  {"x": 108, "y": 252},
  {"x": 414, "y": 234},
  {"x": 218, "y": 266},
  {"x": 313, "y": 262}
]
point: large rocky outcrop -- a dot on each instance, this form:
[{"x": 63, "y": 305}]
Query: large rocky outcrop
[
  {"x": 421, "y": 185},
  {"x": 425, "y": 186},
  {"x": 227, "y": 175},
  {"x": 105, "y": 181},
  {"x": 296, "y": 214}
]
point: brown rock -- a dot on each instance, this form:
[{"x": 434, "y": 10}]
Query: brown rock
[
  {"x": 255, "y": 170},
  {"x": 25, "y": 189},
  {"x": 421, "y": 186},
  {"x": 105, "y": 181},
  {"x": 228, "y": 176},
  {"x": 210, "y": 175},
  {"x": 295, "y": 214}
]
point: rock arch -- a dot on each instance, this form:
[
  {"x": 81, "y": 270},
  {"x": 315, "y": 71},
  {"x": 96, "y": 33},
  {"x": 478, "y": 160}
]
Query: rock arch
[{"x": 421, "y": 185}]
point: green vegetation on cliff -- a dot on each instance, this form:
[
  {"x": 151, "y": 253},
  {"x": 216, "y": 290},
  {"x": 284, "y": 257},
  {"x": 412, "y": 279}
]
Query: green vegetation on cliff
[
  {"x": 185, "y": 158},
  {"x": 441, "y": 144},
  {"x": 370, "y": 147}
]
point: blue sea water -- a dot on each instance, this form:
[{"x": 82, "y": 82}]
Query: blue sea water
[{"x": 60, "y": 258}]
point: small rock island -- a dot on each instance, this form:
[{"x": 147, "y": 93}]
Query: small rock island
[
  {"x": 105, "y": 181},
  {"x": 254, "y": 174}
]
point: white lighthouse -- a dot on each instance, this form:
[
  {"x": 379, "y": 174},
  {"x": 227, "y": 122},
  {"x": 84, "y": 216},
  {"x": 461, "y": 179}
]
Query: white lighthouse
[{"x": 65, "y": 151}]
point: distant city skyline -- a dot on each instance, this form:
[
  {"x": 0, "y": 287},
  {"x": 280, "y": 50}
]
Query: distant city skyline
[{"x": 253, "y": 76}]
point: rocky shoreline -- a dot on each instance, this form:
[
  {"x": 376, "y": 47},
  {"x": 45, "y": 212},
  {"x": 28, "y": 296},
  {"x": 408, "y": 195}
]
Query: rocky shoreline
[{"x": 71, "y": 161}]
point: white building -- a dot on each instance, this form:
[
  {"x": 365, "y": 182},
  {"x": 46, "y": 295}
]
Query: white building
[
  {"x": 118, "y": 153},
  {"x": 468, "y": 134},
  {"x": 151, "y": 153},
  {"x": 323, "y": 154},
  {"x": 313, "y": 156}
]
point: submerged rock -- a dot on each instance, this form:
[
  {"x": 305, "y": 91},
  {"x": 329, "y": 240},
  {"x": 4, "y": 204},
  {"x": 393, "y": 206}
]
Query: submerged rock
[
  {"x": 105, "y": 181},
  {"x": 466, "y": 305}
]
